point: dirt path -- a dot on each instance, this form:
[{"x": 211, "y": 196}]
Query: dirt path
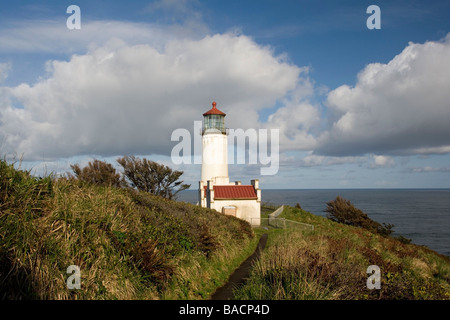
[{"x": 240, "y": 274}]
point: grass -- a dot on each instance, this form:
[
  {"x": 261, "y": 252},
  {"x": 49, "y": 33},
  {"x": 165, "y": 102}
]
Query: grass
[
  {"x": 133, "y": 245},
  {"x": 127, "y": 244},
  {"x": 331, "y": 263}
]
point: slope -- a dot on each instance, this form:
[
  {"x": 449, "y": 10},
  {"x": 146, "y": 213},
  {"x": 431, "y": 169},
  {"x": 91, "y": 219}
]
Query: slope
[{"x": 127, "y": 244}]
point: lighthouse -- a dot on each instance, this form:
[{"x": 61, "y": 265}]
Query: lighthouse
[
  {"x": 214, "y": 147},
  {"x": 215, "y": 189}
]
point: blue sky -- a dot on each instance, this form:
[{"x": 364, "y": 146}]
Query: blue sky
[{"x": 356, "y": 108}]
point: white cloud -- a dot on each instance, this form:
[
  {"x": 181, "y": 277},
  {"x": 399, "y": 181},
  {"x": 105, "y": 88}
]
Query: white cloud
[
  {"x": 402, "y": 107},
  {"x": 295, "y": 120},
  {"x": 382, "y": 161},
  {"x": 133, "y": 87},
  {"x": 119, "y": 98}
]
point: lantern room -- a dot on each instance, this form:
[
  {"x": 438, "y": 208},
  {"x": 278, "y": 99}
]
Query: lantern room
[{"x": 214, "y": 121}]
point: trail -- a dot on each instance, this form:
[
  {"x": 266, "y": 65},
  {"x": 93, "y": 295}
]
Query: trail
[{"x": 240, "y": 275}]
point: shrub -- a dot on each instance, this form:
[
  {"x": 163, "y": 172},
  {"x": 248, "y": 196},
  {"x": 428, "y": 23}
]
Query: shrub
[
  {"x": 99, "y": 173},
  {"x": 343, "y": 211},
  {"x": 150, "y": 176}
]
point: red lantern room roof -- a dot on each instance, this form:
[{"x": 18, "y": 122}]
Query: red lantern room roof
[{"x": 214, "y": 110}]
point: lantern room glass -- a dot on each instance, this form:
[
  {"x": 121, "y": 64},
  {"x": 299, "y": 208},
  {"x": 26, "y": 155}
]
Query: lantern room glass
[{"x": 214, "y": 121}]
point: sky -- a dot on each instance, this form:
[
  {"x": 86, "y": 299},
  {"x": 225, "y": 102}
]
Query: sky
[{"x": 353, "y": 106}]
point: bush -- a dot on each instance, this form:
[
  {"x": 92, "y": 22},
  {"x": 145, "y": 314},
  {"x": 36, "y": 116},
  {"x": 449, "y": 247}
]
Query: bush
[
  {"x": 343, "y": 211},
  {"x": 99, "y": 173},
  {"x": 150, "y": 176}
]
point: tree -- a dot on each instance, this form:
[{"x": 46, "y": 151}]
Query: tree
[
  {"x": 343, "y": 211},
  {"x": 99, "y": 173},
  {"x": 152, "y": 177}
]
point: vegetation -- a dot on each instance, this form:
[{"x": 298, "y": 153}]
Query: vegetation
[
  {"x": 152, "y": 177},
  {"x": 343, "y": 211},
  {"x": 141, "y": 174},
  {"x": 100, "y": 173},
  {"x": 331, "y": 263},
  {"x": 128, "y": 244}
]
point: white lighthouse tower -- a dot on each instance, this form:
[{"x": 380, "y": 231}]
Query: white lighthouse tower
[
  {"x": 215, "y": 147},
  {"x": 215, "y": 190}
]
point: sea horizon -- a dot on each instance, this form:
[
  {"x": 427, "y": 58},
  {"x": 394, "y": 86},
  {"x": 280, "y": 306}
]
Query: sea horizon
[{"x": 419, "y": 214}]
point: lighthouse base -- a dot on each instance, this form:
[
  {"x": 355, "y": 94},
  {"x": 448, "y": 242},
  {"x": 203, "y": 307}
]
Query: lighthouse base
[{"x": 241, "y": 201}]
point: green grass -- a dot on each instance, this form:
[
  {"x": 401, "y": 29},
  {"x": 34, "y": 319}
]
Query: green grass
[
  {"x": 331, "y": 263},
  {"x": 128, "y": 244}
]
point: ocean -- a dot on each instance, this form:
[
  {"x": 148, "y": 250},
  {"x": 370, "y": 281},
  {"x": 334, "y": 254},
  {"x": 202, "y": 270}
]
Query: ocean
[{"x": 422, "y": 215}]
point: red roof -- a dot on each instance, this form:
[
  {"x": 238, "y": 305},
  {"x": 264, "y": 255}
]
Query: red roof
[
  {"x": 235, "y": 192},
  {"x": 214, "y": 110}
]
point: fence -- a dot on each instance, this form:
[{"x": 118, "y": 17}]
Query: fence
[{"x": 280, "y": 223}]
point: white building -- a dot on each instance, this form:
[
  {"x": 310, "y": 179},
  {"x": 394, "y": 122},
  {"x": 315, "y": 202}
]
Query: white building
[{"x": 215, "y": 190}]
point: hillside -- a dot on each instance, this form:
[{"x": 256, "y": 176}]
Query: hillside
[
  {"x": 134, "y": 245},
  {"x": 332, "y": 261},
  {"x": 127, "y": 244}
]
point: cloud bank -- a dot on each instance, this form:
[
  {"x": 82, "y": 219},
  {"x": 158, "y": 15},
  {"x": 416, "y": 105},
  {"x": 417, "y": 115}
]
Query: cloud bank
[
  {"x": 398, "y": 108},
  {"x": 119, "y": 98},
  {"x": 127, "y": 86}
]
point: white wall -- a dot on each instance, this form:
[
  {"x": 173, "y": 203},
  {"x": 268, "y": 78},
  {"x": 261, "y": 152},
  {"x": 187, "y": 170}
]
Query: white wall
[
  {"x": 245, "y": 209},
  {"x": 214, "y": 156}
]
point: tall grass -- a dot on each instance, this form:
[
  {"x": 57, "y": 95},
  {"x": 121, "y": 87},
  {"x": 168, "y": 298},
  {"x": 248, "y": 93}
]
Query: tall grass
[
  {"x": 127, "y": 244},
  {"x": 331, "y": 263}
]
